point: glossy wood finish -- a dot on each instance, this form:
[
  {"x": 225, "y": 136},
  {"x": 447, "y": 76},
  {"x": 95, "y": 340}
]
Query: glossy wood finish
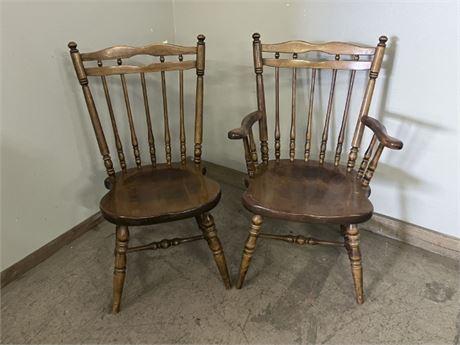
[
  {"x": 343, "y": 65},
  {"x": 149, "y": 195},
  {"x": 150, "y": 136},
  {"x": 381, "y": 133},
  {"x": 354, "y": 254},
  {"x": 300, "y": 240},
  {"x": 151, "y": 192},
  {"x": 309, "y": 190},
  {"x": 119, "y": 272},
  {"x": 249, "y": 249},
  {"x": 124, "y": 52},
  {"x": 366, "y": 103},
  {"x": 206, "y": 223},
  {"x": 308, "y": 133},
  {"x": 343, "y": 126},
  {"x": 332, "y": 48},
  {"x": 128, "y": 69}
]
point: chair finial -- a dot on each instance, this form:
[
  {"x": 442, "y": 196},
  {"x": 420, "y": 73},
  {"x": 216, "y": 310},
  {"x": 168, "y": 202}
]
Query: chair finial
[
  {"x": 256, "y": 36},
  {"x": 201, "y": 38},
  {"x": 72, "y": 46},
  {"x": 383, "y": 40}
]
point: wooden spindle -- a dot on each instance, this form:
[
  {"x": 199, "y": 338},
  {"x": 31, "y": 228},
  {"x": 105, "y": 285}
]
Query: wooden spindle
[
  {"x": 134, "y": 142},
  {"x": 118, "y": 145},
  {"x": 310, "y": 116},
  {"x": 181, "y": 115},
  {"x": 247, "y": 154},
  {"x": 150, "y": 136},
  {"x": 165, "y": 115},
  {"x": 359, "y": 129},
  {"x": 277, "y": 110},
  {"x": 341, "y": 138},
  {"x": 293, "y": 113},
  {"x": 372, "y": 166},
  {"x": 252, "y": 146},
  {"x": 200, "y": 57},
  {"x": 322, "y": 152},
  {"x": 94, "y": 116},
  {"x": 258, "y": 68},
  {"x": 367, "y": 156}
]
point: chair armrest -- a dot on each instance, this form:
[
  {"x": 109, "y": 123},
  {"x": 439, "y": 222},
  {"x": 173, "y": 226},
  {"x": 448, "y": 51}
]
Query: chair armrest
[
  {"x": 381, "y": 133},
  {"x": 246, "y": 124}
]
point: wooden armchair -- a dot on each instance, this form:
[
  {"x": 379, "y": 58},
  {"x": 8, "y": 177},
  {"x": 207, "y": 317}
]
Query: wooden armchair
[
  {"x": 150, "y": 192},
  {"x": 312, "y": 190}
]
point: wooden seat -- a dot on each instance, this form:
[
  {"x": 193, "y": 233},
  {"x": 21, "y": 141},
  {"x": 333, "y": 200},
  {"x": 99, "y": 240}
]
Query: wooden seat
[
  {"x": 152, "y": 191},
  {"x": 148, "y": 195},
  {"x": 306, "y": 189},
  {"x": 308, "y": 192}
]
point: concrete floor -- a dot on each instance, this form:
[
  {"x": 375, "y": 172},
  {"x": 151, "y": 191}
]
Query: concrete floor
[{"x": 292, "y": 294}]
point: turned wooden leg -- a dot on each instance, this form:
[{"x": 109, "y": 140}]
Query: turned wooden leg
[
  {"x": 207, "y": 226},
  {"x": 352, "y": 246},
  {"x": 121, "y": 245},
  {"x": 249, "y": 248}
]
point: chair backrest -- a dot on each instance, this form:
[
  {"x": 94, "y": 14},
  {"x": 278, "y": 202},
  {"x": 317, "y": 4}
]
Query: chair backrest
[
  {"x": 335, "y": 56},
  {"x": 176, "y": 62}
]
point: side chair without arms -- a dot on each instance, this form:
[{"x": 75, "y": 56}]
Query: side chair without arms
[
  {"x": 312, "y": 190},
  {"x": 150, "y": 192}
]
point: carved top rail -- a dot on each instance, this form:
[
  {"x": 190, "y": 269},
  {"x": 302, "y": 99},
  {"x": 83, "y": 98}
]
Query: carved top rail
[
  {"x": 319, "y": 64},
  {"x": 123, "y": 52},
  {"x": 332, "y": 48},
  {"x": 127, "y": 69}
]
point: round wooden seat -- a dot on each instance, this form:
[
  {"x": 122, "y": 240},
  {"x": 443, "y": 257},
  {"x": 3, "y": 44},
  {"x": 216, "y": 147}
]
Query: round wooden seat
[
  {"x": 147, "y": 195},
  {"x": 308, "y": 192}
]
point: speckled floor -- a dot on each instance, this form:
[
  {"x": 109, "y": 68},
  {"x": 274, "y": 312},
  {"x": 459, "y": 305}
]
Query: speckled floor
[{"x": 292, "y": 294}]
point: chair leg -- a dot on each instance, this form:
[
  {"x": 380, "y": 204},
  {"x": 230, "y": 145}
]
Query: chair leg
[
  {"x": 354, "y": 253},
  {"x": 121, "y": 245},
  {"x": 206, "y": 223},
  {"x": 249, "y": 248}
]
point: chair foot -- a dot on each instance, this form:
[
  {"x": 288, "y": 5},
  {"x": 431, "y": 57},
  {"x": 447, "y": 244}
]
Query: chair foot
[
  {"x": 121, "y": 245},
  {"x": 206, "y": 223},
  {"x": 354, "y": 254},
  {"x": 249, "y": 248}
]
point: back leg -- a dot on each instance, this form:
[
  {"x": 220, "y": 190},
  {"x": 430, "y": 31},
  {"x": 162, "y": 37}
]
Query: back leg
[{"x": 206, "y": 223}]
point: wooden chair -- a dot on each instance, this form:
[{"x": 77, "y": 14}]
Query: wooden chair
[
  {"x": 311, "y": 190},
  {"x": 152, "y": 192}
]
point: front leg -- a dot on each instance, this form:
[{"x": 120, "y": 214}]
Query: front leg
[
  {"x": 354, "y": 254},
  {"x": 206, "y": 223},
  {"x": 249, "y": 248},
  {"x": 121, "y": 246}
]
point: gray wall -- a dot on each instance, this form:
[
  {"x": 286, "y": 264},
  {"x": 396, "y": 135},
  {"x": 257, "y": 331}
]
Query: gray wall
[{"x": 51, "y": 170}]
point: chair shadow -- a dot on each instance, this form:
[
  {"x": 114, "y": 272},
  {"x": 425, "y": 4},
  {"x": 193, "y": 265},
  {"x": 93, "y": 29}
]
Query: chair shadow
[{"x": 397, "y": 168}]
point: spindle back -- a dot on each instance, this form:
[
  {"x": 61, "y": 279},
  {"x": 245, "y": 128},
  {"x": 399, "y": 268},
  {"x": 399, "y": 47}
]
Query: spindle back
[
  {"x": 110, "y": 64},
  {"x": 334, "y": 56}
]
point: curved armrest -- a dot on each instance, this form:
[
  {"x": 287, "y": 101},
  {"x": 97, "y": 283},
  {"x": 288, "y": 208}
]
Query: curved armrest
[
  {"x": 381, "y": 133},
  {"x": 246, "y": 124}
]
